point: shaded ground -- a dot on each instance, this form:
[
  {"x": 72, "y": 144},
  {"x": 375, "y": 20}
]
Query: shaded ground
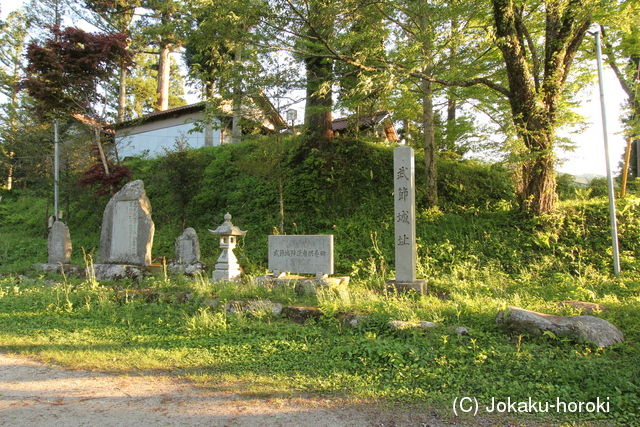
[{"x": 35, "y": 394}]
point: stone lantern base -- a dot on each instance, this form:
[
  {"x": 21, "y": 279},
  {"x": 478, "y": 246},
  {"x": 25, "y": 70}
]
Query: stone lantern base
[{"x": 226, "y": 275}]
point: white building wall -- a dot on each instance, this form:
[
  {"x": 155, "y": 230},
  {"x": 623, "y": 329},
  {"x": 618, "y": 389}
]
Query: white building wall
[
  {"x": 154, "y": 142},
  {"x": 154, "y": 137}
]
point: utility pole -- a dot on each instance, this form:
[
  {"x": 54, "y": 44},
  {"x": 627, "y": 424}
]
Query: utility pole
[
  {"x": 612, "y": 203},
  {"x": 56, "y": 170}
]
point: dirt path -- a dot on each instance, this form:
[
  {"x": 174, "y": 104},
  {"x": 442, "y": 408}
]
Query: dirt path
[{"x": 35, "y": 394}]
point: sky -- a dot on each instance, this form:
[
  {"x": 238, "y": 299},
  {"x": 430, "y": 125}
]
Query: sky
[{"x": 589, "y": 155}]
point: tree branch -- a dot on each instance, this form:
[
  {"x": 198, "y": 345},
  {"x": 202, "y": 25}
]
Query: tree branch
[
  {"x": 525, "y": 35},
  {"x": 611, "y": 60}
]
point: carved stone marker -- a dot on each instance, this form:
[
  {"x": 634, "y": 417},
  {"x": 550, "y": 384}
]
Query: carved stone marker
[
  {"x": 187, "y": 250},
  {"x": 405, "y": 220},
  {"x": 127, "y": 227},
  {"x": 188, "y": 247},
  {"x": 59, "y": 244},
  {"x": 301, "y": 254}
]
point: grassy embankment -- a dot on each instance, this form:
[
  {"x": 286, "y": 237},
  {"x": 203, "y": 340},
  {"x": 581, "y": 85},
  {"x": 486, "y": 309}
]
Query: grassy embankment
[{"x": 478, "y": 256}]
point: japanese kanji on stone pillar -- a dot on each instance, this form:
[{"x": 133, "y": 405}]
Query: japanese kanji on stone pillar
[{"x": 405, "y": 221}]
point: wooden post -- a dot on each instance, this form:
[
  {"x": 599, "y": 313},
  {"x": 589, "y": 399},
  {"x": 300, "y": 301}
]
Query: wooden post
[{"x": 625, "y": 171}]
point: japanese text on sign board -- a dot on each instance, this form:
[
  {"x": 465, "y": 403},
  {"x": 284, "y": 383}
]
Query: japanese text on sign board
[{"x": 299, "y": 253}]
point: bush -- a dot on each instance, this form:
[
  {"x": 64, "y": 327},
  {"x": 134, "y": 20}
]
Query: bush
[
  {"x": 471, "y": 183},
  {"x": 598, "y": 187}
]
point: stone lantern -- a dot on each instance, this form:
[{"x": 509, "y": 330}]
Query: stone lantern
[{"x": 227, "y": 267}]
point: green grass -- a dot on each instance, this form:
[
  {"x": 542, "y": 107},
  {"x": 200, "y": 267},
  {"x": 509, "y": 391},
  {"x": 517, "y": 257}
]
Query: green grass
[
  {"x": 83, "y": 325},
  {"x": 476, "y": 261}
]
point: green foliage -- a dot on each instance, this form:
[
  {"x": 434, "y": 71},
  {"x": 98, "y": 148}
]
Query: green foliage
[
  {"x": 470, "y": 183},
  {"x": 181, "y": 171},
  {"x": 142, "y": 86},
  {"x": 598, "y": 187},
  {"x": 566, "y": 186},
  {"x": 63, "y": 73},
  {"x": 22, "y": 211},
  {"x": 345, "y": 191}
]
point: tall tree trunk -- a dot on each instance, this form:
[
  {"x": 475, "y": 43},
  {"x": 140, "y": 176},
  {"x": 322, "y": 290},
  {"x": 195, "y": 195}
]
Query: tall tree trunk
[
  {"x": 534, "y": 103},
  {"x": 319, "y": 73},
  {"x": 103, "y": 158},
  {"x": 428, "y": 125},
  {"x": 164, "y": 69},
  {"x": 13, "y": 126},
  {"x": 122, "y": 93},
  {"x": 317, "y": 112},
  {"x": 236, "y": 128},
  {"x": 452, "y": 102},
  {"x": 538, "y": 180},
  {"x": 208, "y": 89},
  {"x": 10, "y": 171},
  {"x": 429, "y": 144},
  {"x": 281, "y": 198}
]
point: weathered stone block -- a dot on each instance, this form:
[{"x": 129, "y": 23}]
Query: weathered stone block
[
  {"x": 59, "y": 244},
  {"x": 114, "y": 272},
  {"x": 187, "y": 247},
  {"x": 399, "y": 325},
  {"x": 301, "y": 314},
  {"x": 127, "y": 227},
  {"x": 579, "y": 328},
  {"x": 254, "y": 307},
  {"x": 66, "y": 269}
]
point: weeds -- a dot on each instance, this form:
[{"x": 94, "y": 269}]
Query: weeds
[
  {"x": 81, "y": 325},
  {"x": 474, "y": 265}
]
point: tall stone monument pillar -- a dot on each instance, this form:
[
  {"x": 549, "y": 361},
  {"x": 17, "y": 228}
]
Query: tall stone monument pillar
[{"x": 405, "y": 221}]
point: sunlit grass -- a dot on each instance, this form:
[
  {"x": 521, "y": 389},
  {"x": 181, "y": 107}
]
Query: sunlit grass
[{"x": 474, "y": 265}]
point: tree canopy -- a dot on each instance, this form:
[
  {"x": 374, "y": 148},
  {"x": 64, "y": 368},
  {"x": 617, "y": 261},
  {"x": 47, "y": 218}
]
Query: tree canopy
[{"x": 457, "y": 76}]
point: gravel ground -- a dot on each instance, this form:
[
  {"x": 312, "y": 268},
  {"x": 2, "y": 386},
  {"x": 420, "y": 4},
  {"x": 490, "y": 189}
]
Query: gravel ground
[{"x": 36, "y": 394}]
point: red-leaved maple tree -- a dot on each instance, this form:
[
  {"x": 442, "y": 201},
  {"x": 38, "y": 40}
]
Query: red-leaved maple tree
[
  {"x": 97, "y": 178},
  {"x": 63, "y": 74}
]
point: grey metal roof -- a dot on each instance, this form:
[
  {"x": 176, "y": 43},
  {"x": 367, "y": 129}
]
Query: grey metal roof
[{"x": 363, "y": 121}]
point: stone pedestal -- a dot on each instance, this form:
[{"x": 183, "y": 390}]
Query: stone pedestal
[
  {"x": 420, "y": 286},
  {"x": 301, "y": 284},
  {"x": 101, "y": 272},
  {"x": 227, "y": 267}
]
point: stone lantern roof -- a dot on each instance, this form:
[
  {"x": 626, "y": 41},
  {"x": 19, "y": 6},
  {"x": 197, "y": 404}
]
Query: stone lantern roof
[{"x": 227, "y": 228}]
